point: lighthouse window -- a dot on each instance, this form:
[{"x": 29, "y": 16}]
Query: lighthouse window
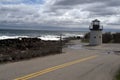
[
  {"x": 99, "y": 36},
  {"x": 94, "y": 36}
]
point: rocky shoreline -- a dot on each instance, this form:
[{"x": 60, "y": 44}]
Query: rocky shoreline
[{"x": 26, "y": 48}]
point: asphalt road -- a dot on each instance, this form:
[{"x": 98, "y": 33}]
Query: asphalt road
[{"x": 76, "y": 63}]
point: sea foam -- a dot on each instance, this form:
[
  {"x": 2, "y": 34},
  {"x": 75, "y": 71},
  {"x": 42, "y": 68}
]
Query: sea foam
[
  {"x": 12, "y": 37},
  {"x": 43, "y": 37}
]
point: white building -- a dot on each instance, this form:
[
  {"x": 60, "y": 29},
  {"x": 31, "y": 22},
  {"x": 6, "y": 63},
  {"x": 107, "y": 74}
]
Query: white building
[{"x": 95, "y": 33}]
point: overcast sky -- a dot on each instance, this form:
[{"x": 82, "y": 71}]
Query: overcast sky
[{"x": 58, "y": 14}]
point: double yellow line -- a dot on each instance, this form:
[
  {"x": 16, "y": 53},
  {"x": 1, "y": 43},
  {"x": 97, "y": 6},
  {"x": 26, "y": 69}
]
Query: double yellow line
[{"x": 29, "y": 76}]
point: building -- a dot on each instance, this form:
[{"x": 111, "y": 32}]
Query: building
[{"x": 95, "y": 33}]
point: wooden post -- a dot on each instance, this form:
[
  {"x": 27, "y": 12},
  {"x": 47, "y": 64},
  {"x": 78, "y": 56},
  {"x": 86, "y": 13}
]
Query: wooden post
[{"x": 61, "y": 42}]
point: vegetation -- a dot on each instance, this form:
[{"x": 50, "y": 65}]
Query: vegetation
[
  {"x": 116, "y": 38},
  {"x": 107, "y": 37},
  {"x": 26, "y": 48},
  {"x": 86, "y": 37},
  {"x": 118, "y": 76}
]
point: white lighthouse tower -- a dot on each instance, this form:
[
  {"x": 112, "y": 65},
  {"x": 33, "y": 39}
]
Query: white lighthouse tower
[{"x": 95, "y": 33}]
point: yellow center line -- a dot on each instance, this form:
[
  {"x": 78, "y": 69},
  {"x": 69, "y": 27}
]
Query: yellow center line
[{"x": 32, "y": 75}]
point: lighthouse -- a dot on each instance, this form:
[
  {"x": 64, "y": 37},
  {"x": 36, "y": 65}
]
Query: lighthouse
[{"x": 95, "y": 33}]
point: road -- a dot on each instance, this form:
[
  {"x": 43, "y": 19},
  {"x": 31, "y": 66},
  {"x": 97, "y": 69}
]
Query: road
[{"x": 76, "y": 63}]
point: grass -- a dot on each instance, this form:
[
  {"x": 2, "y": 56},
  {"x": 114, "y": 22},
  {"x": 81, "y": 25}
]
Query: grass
[
  {"x": 118, "y": 75},
  {"x": 85, "y": 40}
]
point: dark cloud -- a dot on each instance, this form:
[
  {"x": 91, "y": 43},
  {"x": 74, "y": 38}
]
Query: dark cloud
[
  {"x": 101, "y": 11},
  {"x": 79, "y": 2},
  {"x": 113, "y": 3},
  {"x": 67, "y": 13},
  {"x": 75, "y": 2}
]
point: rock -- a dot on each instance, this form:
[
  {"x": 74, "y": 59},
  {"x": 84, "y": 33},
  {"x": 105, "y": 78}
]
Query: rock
[{"x": 26, "y": 48}]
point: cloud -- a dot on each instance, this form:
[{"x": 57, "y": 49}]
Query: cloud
[
  {"x": 59, "y": 13},
  {"x": 79, "y": 2},
  {"x": 21, "y": 1}
]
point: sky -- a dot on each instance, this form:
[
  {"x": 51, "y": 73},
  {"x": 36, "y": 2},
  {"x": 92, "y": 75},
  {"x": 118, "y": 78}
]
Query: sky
[{"x": 58, "y": 14}]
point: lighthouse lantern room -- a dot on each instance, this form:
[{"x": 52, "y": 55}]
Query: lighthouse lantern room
[{"x": 95, "y": 33}]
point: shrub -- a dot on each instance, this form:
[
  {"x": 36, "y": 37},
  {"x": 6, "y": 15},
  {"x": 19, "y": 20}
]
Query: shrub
[
  {"x": 86, "y": 37},
  {"x": 116, "y": 37},
  {"x": 107, "y": 37}
]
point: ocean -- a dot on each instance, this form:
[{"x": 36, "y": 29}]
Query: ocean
[{"x": 42, "y": 34}]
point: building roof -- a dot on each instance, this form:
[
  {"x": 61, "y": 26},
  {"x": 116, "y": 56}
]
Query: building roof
[{"x": 96, "y": 20}]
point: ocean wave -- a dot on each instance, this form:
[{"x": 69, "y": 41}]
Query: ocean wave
[
  {"x": 50, "y": 37},
  {"x": 73, "y": 35},
  {"x": 43, "y": 37},
  {"x": 12, "y": 37}
]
